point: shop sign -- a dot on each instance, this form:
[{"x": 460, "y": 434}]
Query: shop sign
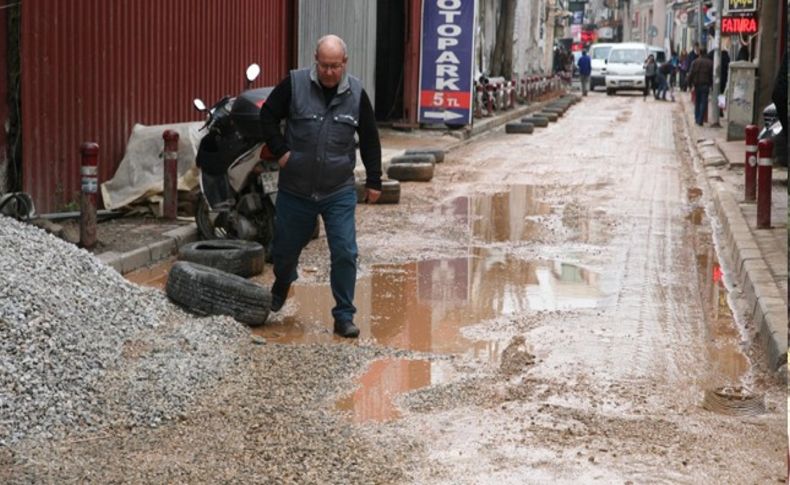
[{"x": 447, "y": 60}]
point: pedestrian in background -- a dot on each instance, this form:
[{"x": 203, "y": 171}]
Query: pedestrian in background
[
  {"x": 664, "y": 86},
  {"x": 650, "y": 75},
  {"x": 701, "y": 78},
  {"x": 675, "y": 62},
  {"x": 324, "y": 108},
  {"x": 585, "y": 70},
  {"x": 684, "y": 69}
]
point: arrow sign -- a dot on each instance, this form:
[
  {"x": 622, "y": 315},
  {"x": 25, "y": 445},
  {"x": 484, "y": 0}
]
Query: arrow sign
[{"x": 442, "y": 115}]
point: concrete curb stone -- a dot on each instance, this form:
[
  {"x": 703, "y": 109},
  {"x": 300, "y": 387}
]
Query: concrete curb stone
[{"x": 150, "y": 253}]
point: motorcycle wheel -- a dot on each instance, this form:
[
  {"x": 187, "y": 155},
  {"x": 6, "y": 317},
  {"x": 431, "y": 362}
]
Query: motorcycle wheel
[{"x": 206, "y": 223}]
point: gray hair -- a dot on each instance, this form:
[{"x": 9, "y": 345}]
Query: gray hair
[{"x": 334, "y": 38}]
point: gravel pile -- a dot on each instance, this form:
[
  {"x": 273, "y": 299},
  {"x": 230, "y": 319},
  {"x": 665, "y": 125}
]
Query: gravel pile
[{"x": 80, "y": 347}]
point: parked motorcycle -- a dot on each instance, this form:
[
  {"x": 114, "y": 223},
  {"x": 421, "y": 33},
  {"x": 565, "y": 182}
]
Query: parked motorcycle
[
  {"x": 238, "y": 174},
  {"x": 772, "y": 129}
]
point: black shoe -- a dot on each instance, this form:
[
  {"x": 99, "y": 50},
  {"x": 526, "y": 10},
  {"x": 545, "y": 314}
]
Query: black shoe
[
  {"x": 279, "y": 294},
  {"x": 346, "y": 328}
]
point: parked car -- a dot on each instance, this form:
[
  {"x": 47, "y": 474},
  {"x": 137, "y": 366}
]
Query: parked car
[
  {"x": 625, "y": 67},
  {"x": 598, "y": 55}
]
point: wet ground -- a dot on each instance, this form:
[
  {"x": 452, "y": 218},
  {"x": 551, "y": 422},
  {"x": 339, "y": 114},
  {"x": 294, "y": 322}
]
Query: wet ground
[{"x": 563, "y": 310}]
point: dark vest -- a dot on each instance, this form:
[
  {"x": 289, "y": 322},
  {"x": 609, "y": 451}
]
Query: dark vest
[{"x": 320, "y": 137}]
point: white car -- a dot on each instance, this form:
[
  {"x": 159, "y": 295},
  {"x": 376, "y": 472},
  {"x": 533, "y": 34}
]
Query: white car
[
  {"x": 625, "y": 67},
  {"x": 598, "y": 55}
]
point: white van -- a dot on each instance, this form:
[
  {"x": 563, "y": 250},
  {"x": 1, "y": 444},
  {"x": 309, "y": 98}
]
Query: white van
[
  {"x": 624, "y": 67},
  {"x": 598, "y": 55},
  {"x": 659, "y": 53}
]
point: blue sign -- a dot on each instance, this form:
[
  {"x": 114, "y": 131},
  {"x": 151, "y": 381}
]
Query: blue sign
[{"x": 447, "y": 61}]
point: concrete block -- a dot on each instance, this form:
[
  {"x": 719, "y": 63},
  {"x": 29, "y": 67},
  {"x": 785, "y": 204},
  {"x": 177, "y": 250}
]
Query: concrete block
[
  {"x": 162, "y": 249},
  {"x": 183, "y": 235},
  {"x": 714, "y": 161},
  {"x": 134, "y": 259},
  {"x": 741, "y": 257},
  {"x": 111, "y": 259}
]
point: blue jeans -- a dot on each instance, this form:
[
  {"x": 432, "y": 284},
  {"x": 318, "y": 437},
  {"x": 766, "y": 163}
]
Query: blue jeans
[
  {"x": 293, "y": 226},
  {"x": 700, "y": 102}
]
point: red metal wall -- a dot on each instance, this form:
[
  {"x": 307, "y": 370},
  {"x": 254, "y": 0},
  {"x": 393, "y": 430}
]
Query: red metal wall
[{"x": 91, "y": 69}]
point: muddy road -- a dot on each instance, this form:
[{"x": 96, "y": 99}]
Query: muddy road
[{"x": 549, "y": 309}]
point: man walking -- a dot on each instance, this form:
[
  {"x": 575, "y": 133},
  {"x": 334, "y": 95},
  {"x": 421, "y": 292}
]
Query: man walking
[
  {"x": 701, "y": 77},
  {"x": 324, "y": 107},
  {"x": 585, "y": 69}
]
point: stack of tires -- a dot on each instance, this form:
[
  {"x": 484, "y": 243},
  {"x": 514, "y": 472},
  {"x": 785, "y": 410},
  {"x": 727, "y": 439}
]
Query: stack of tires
[
  {"x": 210, "y": 278},
  {"x": 548, "y": 114}
]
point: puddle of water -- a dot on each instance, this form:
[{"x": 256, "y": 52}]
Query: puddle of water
[
  {"x": 729, "y": 365},
  {"x": 502, "y": 216},
  {"x": 423, "y": 306},
  {"x": 383, "y": 381},
  {"x": 154, "y": 276}
]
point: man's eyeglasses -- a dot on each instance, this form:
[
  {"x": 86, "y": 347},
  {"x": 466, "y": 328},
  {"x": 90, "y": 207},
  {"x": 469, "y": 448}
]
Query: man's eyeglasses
[{"x": 330, "y": 67}]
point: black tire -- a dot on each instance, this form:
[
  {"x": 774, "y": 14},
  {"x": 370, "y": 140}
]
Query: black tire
[
  {"x": 415, "y": 172},
  {"x": 390, "y": 192},
  {"x": 243, "y": 258},
  {"x": 550, "y": 116},
  {"x": 609, "y": 91},
  {"x": 557, "y": 110},
  {"x": 538, "y": 121},
  {"x": 413, "y": 158},
  {"x": 437, "y": 153},
  {"x": 524, "y": 128},
  {"x": 208, "y": 291}
]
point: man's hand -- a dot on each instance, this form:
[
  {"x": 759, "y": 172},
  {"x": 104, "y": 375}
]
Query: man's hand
[
  {"x": 284, "y": 159},
  {"x": 371, "y": 195}
]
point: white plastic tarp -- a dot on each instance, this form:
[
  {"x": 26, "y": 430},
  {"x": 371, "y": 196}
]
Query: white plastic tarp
[{"x": 141, "y": 172}]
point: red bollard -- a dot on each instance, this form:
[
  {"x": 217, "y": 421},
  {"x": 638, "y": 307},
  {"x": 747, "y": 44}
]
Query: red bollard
[
  {"x": 89, "y": 171},
  {"x": 750, "y": 164},
  {"x": 765, "y": 150},
  {"x": 170, "y": 205},
  {"x": 491, "y": 94}
]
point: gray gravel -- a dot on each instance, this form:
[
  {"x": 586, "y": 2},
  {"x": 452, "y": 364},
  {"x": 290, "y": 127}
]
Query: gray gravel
[{"x": 72, "y": 334}]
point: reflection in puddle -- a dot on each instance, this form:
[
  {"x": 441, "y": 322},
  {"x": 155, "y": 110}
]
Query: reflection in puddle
[
  {"x": 729, "y": 364},
  {"x": 384, "y": 380},
  {"x": 502, "y": 216},
  {"x": 424, "y": 305}
]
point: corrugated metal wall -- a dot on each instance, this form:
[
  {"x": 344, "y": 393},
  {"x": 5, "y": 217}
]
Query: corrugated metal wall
[
  {"x": 354, "y": 21},
  {"x": 91, "y": 69}
]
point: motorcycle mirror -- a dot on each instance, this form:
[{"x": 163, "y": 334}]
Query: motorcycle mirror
[
  {"x": 199, "y": 104},
  {"x": 253, "y": 71}
]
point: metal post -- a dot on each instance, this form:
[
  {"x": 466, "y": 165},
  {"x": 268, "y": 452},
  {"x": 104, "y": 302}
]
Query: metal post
[
  {"x": 89, "y": 171},
  {"x": 765, "y": 150},
  {"x": 750, "y": 164},
  {"x": 170, "y": 189}
]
